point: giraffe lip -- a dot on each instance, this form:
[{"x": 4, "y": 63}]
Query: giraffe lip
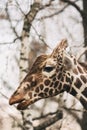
[{"x": 15, "y": 100}]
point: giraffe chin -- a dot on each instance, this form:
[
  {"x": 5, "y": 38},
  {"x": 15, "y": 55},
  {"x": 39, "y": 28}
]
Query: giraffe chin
[{"x": 23, "y": 105}]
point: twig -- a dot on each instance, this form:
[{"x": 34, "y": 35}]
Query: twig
[
  {"x": 82, "y": 51},
  {"x": 47, "y": 5},
  {"x": 41, "y": 38},
  {"x": 46, "y": 115},
  {"x": 4, "y": 95},
  {"x": 19, "y": 7},
  {"x": 82, "y": 13},
  {"x": 15, "y": 119},
  {"x": 49, "y": 122},
  {"x": 73, "y": 109},
  {"x": 10, "y": 20},
  {"x": 12, "y": 42},
  {"x": 55, "y": 13}
]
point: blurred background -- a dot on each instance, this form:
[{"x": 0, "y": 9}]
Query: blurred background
[{"x": 27, "y": 29}]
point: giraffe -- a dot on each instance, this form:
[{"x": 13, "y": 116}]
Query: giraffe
[{"x": 51, "y": 75}]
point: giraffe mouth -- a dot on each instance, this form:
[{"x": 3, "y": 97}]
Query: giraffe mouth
[
  {"x": 21, "y": 102},
  {"x": 25, "y": 103}
]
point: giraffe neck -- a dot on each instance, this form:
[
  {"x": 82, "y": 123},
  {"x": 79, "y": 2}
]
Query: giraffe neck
[{"x": 78, "y": 86}]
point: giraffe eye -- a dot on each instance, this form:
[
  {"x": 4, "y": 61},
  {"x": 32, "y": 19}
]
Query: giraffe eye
[{"x": 48, "y": 68}]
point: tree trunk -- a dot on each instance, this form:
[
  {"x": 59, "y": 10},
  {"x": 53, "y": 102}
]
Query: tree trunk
[
  {"x": 85, "y": 23},
  {"x": 24, "y": 52},
  {"x": 84, "y": 119}
]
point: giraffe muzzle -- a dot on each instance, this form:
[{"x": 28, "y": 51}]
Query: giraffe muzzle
[
  {"x": 16, "y": 99},
  {"x": 21, "y": 103}
]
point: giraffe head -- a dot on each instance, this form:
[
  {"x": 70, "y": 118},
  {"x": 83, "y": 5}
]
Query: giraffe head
[{"x": 44, "y": 79}]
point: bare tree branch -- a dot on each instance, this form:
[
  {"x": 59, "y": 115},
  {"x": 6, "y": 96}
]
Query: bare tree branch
[
  {"x": 82, "y": 52},
  {"x": 10, "y": 21},
  {"x": 41, "y": 38},
  {"x": 46, "y": 115},
  {"x": 82, "y": 13},
  {"x": 19, "y": 7},
  {"x": 55, "y": 13},
  {"x": 47, "y": 123},
  {"x": 12, "y": 42},
  {"x": 24, "y": 52}
]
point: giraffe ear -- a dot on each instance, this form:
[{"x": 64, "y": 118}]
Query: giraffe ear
[
  {"x": 60, "y": 47},
  {"x": 67, "y": 63}
]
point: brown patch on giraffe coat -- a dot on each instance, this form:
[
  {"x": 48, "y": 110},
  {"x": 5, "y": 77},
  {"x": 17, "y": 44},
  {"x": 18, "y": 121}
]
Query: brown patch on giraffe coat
[
  {"x": 68, "y": 80},
  {"x": 78, "y": 83},
  {"x": 62, "y": 79},
  {"x": 84, "y": 92},
  {"x": 30, "y": 94},
  {"x": 72, "y": 78},
  {"x": 66, "y": 87},
  {"x": 74, "y": 61},
  {"x": 83, "y": 78},
  {"x": 50, "y": 92},
  {"x": 54, "y": 79},
  {"x": 60, "y": 86},
  {"x": 46, "y": 89},
  {"x": 41, "y": 86},
  {"x": 45, "y": 95},
  {"x": 51, "y": 84},
  {"x": 75, "y": 71},
  {"x": 56, "y": 84},
  {"x": 80, "y": 69},
  {"x": 28, "y": 78},
  {"x": 54, "y": 75},
  {"x": 35, "y": 95},
  {"x": 33, "y": 83},
  {"x": 47, "y": 82},
  {"x": 37, "y": 90},
  {"x": 41, "y": 95},
  {"x": 56, "y": 91},
  {"x": 73, "y": 92},
  {"x": 68, "y": 74},
  {"x": 59, "y": 75},
  {"x": 84, "y": 102}
]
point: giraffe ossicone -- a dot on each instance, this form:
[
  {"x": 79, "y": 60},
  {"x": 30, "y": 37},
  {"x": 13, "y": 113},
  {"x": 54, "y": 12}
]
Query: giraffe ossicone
[{"x": 51, "y": 75}]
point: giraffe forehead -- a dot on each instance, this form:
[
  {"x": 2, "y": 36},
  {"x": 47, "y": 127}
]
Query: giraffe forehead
[
  {"x": 38, "y": 64},
  {"x": 50, "y": 61}
]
